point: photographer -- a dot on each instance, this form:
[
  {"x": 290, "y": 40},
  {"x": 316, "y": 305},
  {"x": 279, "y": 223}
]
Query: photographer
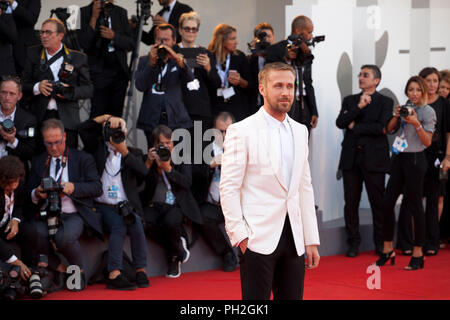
[
  {"x": 167, "y": 199},
  {"x": 105, "y": 36},
  {"x": 25, "y": 14},
  {"x": 304, "y": 109},
  {"x": 122, "y": 172},
  {"x": 17, "y": 127},
  {"x": 63, "y": 184},
  {"x": 11, "y": 210},
  {"x": 8, "y": 37},
  {"x": 169, "y": 14},
  {"x": 263, "y": 38},
  {"x": 365, "y": 154},
  {"x": 159, "y": 75},
  {"x": 413, "y": 126},
  {"x": 55, "y": 78}
]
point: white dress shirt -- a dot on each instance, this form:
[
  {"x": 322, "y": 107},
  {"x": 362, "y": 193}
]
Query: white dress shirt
[
  {"x": 113, "y": 190},
  {"x": 214, "y": 191},
  {"x": 166, "y": 14},
  {"x": 3, "y": 144},
  {"x": 67, "y": 205},
  {"x": 55, "y": 67},
  {"x": 282, "y": 142}
]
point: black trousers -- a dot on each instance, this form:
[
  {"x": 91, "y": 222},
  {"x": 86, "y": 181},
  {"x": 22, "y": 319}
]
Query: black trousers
[
  {"x": 431, "y": 192},
  {"x": 282, "y": 271},
  {"x": 407, "y": 176},
  {"x": 164, "y": 226},
  {"x": 109, "y": 99},
  {"x": 210, "y": 230},
  {"x": 353, "y": 184}
]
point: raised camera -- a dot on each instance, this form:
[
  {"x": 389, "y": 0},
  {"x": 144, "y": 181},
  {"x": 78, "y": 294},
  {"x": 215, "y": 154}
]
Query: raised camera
[
  {"x": 406, "y": 110},
  {"x": 116, "y": 134},
  {"x": 7, "y": 125},
  {"x": 163, "y": 152}
]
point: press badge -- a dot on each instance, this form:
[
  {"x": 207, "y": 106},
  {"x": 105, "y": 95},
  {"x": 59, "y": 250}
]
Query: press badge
[
  {"x": 399, "y": 145},
  {"x": 193, "y": 85},
  {"x": 170, "y": 198},
  {"x": 113, "y": 192},
  {"x": 216, "y": 176}
]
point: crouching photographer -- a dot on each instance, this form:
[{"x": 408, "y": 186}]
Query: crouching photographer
[
  {"x": 122, "y": 172},
  {"x": 63, "y": 184},
  {"x": 167, "y": 199},
  {"x": 413, "y": 126}
]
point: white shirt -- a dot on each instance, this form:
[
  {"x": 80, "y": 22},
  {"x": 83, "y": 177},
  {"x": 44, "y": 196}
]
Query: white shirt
[
  {"x": 67, "y": 205},
  {"x": 3, "y": 144},
  {"x": 282, "y": 142},
  {"x": 214, "y": 192},
  {"x": 166, "y": 14},
  {"x": 55, "y": 67},
  {"x": 113, "y": 190},
  {"x": 9, "y": 207}
]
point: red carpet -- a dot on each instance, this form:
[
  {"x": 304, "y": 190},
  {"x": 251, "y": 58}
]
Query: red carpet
[{"x": 337, "y": 278}]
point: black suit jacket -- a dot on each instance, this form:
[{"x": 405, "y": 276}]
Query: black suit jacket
[
  {"x": 367, "y": 133},
  {"x": 95, "y": 46},
  {"x": 149, "y": 37},
  {"x": 133, "y": 171},
  {"x": 19, "y": 201},
  {"x": 25, "y": 149},
  {"x": 25, "y": 16},
  {"x": 277, "y": 53},
  {"x": 8, "y": 37},
  {"x": 68, "y": 108},
  {"x": 180, "y": 179},
  {"x": 5, "y": 251},
  {"x": 84, "y": 175}
]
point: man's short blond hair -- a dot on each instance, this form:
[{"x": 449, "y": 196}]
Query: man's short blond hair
[{"x": 263, "y": 75}]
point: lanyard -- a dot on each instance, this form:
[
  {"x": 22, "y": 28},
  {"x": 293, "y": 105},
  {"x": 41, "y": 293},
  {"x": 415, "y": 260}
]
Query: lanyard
[
  {"x": 166, "y": 181},
  {"x": 162, "y": 73},
  {"x": 402, "y": 132},
  {"x": 63, "y": 165},
  {"x": 223, "y": 74}
]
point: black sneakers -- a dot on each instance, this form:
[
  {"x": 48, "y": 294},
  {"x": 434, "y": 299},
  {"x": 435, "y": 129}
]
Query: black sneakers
[
  {"x": 120, "y": 283},
  {"x": 174, "y": 267},
  {"x": 142, "y": 280}
]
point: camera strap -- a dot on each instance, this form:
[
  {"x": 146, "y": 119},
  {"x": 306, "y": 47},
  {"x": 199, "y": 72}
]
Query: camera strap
[
  {"x": 58, "y": 175},
  {"x": 170, "y": 197},
  {"x": 223, "y": 74},
  {"x": 45, "y": 64}
]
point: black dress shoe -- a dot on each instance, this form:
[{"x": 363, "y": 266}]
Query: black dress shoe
[
  {"x": 120, "y": 283},
  {"x": 352, "y": 252},
  {"x": 142, "y": 279}
]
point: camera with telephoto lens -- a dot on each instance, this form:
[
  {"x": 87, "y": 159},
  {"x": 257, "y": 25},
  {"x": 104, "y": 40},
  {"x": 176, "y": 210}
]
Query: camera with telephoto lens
[
  {"x": 162, "y": 53},
  {"x": 163, "y": 152},
  {"x": 116, "y": 135},
  {"x": 406, "y": 110},
  {"x": 14, "y": 290},
  {"x": 303, "y": 56},
  {"x": 52, "y": 207},
  {"x": 4, "y": 5},
  {"x": 126, "y": 211},
  {"x": 261, "y": 43},
  {"x": 59, "y": 88},
  {"x": 7, "y": 125},
  {"x": 41, "y": 279}
]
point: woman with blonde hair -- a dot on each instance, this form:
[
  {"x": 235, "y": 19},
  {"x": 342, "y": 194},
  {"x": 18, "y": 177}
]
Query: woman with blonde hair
[
  {"x": 412, "y": 126},
  {"x": 234, "y": 71}
]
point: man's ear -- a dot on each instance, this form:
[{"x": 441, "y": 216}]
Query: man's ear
[{"x": 262, "y": 89}]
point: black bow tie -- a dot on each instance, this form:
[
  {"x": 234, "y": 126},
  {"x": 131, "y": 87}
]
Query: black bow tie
[{"x": 166, "y": 8}]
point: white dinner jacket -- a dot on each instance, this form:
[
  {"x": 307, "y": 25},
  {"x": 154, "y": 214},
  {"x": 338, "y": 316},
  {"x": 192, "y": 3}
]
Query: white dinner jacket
[{"x": 253, "y": 194}]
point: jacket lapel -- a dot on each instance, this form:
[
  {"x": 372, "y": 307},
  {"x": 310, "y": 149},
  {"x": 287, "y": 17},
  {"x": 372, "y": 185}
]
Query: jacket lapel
[{"x": 297, "y": 138}]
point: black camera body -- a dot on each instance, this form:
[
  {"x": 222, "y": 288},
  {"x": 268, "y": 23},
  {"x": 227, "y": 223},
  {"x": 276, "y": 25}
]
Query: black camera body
[
  {"x": 162, "y": 54},
  {"x": 7, "y": 125},
  {"x": 297, "y": 41},
  {"x": 116, "y": 135},
  {"x": 14, "y": 289},
  {"x": 61, "y": 13},
  {"x": 406, "y": 110},
  {"x": 59, "y": 88},
  {"x": 107, "y": 7},
  {"x": 53, "y": 205},
  {"x": 26, "y": 133},
  {"x": 126, "y": 211},
  {"x": 4, "y": 5},
  {"x": 163, "y": 152},
  {"x": 261, "y": 43}
]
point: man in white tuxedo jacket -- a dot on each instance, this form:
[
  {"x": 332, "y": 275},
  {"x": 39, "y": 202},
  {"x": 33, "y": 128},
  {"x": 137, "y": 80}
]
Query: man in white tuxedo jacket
[{"x": 266, "y": 193}]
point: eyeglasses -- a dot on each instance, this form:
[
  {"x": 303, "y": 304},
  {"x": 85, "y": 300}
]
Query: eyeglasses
[
  {"x": 53, "y": 144},
  {"x": 191, "y": 30},
  {"x": 46, "y": 32},
  {"x": 364, "y": 75}
]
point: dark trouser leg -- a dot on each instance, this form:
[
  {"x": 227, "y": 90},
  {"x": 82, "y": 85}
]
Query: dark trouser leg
[
  {"x": 211, "y": 231},
  {"x": 431, "y": 193},
  {"x": 117, "y": 96},
  {"x": 138, "y": 244},
  {"x": 99, "y": 101},
  {"x": 289, "y": 274},
  {"x": 374, "y": 182},
  {"x": 72, "y": 138},
  {"x": 352, "y": 195},
  {"x": 393, "y": 190},
  {"x": 404, "y": 228},
  {"x": 67, "y": 236},
  {"x": 256, "y": 275},
  {"x": 148, "y": 137},
  {"x": 114, "y": 225},
  {"x": 41, "y": 244}
]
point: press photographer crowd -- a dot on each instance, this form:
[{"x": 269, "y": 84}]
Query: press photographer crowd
[{"x": 54, "y": 191}]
